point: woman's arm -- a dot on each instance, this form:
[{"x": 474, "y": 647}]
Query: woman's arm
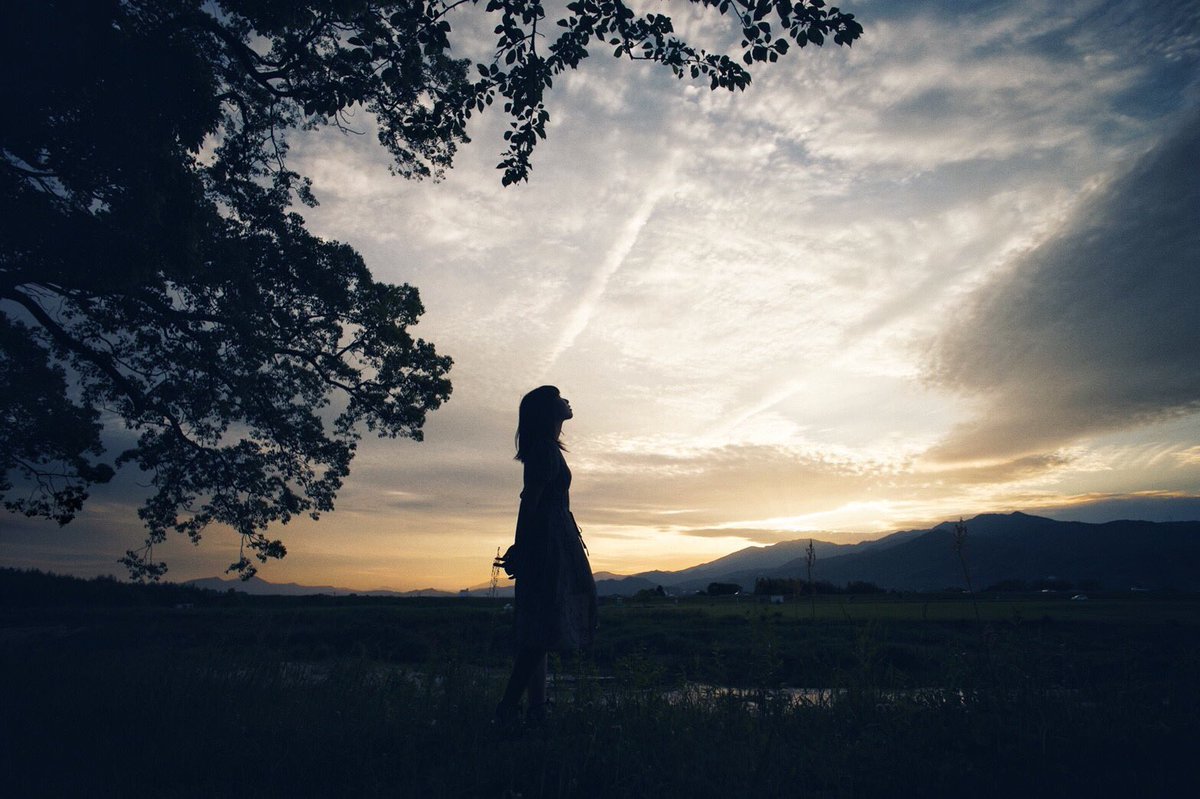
[
  {"x": 535, "y": 482},
  {"x": 532, "y": 538},
  {"x": 525, "y": 555}
]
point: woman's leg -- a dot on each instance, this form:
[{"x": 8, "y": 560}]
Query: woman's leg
[
  {"x": 528, "y": 664},
  {"x": 537, "y": 683}
]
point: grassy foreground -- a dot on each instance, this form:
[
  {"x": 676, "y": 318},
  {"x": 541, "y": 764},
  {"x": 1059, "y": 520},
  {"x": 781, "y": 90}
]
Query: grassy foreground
[{"x": 1041, "y": 698}]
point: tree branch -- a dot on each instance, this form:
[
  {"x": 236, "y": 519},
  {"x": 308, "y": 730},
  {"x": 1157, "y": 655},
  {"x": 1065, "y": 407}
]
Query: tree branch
[
  {"x": 244, "y": 55},
  {"x": 102, "y": 362}
]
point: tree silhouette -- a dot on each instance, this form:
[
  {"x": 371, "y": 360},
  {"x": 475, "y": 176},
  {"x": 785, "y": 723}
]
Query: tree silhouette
[{"x": 154, "y": 279}]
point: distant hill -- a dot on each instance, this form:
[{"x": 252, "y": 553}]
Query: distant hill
[
  {"x": 1017, "y": 546},
  {"x": 999, "y": 547},
  {"x": 256, "y": 586},
  {"x": 33, "y": 588}
]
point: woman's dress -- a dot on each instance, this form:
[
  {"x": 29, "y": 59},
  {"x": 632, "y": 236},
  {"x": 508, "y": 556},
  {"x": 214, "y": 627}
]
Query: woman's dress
[{"x": 555, "y": 591}]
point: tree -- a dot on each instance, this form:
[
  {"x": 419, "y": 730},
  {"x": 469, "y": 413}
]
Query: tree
[{"x": 159, "y": 294}]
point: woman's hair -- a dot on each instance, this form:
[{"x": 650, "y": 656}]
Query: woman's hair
[{"x": 539, "y": 423}]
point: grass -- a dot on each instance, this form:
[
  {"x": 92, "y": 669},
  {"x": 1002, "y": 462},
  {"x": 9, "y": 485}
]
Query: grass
[{"x": 395, "y": 699}]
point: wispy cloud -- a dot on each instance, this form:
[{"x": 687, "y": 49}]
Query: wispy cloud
[
  {"x": 740, "y": 292},
  {"x": 1094, "y": 330},
  {"x": 622, "y": 244}
]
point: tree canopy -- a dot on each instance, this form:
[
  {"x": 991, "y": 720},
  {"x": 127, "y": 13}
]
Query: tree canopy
[{"x": 160, "y": 296}]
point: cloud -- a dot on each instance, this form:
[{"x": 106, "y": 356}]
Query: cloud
[
  {"x": 933, "y": 83},
  {"x": 1154, "y": 506},
  {"x": 1093, "y": 331},
  {"x": 752, "y": 534},
  {"x": 1003, "y": 471},
  {"x": 740, "y": 290},
  {"x": 622, "y": 244}
]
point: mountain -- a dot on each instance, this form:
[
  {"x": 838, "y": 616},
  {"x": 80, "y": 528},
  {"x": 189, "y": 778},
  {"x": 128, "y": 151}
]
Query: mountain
[
  {"x": 260, "y": 587},
  {"x": 1015, "y": 546},
  {"x": 257, "y": 586},
  {"x": 753, "y": 559},
  {"x": 744, "y": 566},
  {"x": 730, "y": 568},
  {"x": 624, "y": 586}
]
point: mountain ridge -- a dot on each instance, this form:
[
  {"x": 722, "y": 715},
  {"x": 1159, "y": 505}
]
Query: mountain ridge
[{"x": 999, "y": 546}]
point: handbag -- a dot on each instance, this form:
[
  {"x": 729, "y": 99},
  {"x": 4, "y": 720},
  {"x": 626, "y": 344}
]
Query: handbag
[{"x": 509, "y": 561}]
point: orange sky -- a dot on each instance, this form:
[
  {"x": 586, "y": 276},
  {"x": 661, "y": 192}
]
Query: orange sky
[{"x": 948, "y": 271}]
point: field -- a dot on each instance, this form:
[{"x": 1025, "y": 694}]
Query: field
[{"x": 848, "y": 696}]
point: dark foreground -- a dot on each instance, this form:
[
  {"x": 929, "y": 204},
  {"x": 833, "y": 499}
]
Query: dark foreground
[{"x": 920, "y": 697}]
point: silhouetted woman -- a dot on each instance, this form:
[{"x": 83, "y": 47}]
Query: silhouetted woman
[{"x": 556, "y": 595}]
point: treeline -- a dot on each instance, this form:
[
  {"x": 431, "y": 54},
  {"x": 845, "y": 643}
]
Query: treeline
[
  {"x": 1046, "y": 584},
  {"x": 797, "y": 586},
  {"x": 33, "y": 588},
  {"x": 788, "y": 586}
]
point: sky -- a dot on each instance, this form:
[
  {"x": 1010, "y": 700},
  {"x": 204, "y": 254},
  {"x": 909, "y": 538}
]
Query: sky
[{"x": 951, "y": 270}]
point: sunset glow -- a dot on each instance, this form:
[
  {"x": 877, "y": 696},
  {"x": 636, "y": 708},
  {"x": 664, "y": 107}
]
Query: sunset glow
[{"x": 950, "y": 270}]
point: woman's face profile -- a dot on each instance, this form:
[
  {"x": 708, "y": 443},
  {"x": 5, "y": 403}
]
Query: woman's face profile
[{"x": 565, "y": 411}]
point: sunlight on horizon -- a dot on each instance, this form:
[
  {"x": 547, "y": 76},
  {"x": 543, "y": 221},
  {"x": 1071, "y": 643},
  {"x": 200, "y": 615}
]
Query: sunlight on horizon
[{"x": 942, "y": 273}]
